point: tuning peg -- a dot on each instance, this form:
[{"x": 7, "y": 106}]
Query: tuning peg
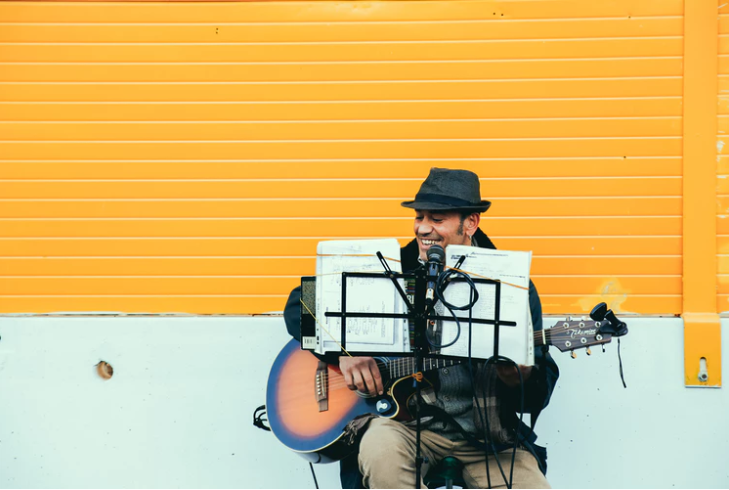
[
  {"x": 589, "y": 352},
  {"x": 574, "y": 355}
]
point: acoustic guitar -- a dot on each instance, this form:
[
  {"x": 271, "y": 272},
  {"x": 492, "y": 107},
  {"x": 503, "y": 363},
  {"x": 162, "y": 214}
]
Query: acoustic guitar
[{"x": 309, "y": 404}]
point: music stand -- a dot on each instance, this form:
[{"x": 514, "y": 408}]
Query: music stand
[{"x": 418, "y": 316}]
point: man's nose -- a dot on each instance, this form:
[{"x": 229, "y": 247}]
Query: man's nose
[{"x": 425, "y": 228}]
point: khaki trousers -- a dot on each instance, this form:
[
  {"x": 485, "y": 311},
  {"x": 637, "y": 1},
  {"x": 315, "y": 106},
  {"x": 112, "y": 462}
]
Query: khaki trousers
[{"x": 387, "y": 459}]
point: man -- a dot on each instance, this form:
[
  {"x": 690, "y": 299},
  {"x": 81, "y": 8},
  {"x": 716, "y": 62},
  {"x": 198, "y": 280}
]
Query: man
[{"x": 448, "y": 211}]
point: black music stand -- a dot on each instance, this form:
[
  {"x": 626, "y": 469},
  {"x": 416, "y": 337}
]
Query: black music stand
[{"x": 418, "y": 316}]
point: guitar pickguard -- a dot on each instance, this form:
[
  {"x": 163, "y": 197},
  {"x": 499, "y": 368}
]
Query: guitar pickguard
[{"x": 402, "y": 392}]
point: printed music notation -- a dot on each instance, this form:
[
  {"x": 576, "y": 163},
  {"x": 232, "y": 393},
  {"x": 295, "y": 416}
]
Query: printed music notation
[
  {"x": 510, "y": 267},
  {"x": 364, "y": 295}
]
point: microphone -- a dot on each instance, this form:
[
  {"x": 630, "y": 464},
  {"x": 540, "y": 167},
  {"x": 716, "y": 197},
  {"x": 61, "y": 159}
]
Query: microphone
[{"x": 436, "y": 257}]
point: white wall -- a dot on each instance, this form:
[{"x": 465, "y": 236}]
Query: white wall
[{"x": 178, "y": 410}]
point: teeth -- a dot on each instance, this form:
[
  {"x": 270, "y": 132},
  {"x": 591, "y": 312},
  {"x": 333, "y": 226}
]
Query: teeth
[{"x": 430, "y": 242}]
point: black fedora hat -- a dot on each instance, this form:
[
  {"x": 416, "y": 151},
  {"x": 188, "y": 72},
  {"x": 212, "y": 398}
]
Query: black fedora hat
[{"x": 447, "y": 189}]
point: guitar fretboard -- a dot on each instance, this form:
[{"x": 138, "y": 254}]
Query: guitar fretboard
[{"x": 405, "y": 366}]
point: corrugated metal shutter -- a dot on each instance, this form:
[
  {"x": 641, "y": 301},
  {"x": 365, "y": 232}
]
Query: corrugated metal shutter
[
  {"x": 722, "y": 225},
  {"x": 187, "y": 157}
]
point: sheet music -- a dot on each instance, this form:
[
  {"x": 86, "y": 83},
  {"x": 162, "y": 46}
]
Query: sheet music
[
  {"x": 509, "y": 267},
  {"x": 364, "y": 295}
]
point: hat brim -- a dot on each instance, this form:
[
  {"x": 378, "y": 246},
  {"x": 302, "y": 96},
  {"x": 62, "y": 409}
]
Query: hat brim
[{"x": 436, "y": 206}]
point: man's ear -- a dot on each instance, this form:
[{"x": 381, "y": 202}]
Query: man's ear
[{"x": 470, "y": 224}]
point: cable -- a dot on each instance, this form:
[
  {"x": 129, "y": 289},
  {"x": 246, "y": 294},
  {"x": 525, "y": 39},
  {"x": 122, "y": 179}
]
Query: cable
[
  {"x": 521, "y": 421},
  {"x": 316, "y": 483},
  {"x": 478, "y": 405},
  {"x": 488, "y": 425},
  {"x": 440, "y": 286},
  {"x": 473, "y": 298},
  {"x": 620, "y": 359},
  {"x": 433, "y": 343}
]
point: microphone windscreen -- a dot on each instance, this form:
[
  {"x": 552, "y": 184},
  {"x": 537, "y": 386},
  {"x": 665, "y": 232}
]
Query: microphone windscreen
[{"x": 436, "y": 254}]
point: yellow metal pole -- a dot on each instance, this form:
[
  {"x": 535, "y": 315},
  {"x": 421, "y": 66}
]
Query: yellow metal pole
[{"x": 702, "y": 329}]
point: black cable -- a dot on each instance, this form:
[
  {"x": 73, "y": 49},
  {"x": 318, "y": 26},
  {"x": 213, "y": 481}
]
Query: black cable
[
  {"x": 473, "y": 297},
  {"x": 521, "y": 420},
  {"x": 435, "y": 344},
  {"x": 487, "y": 430},
  {"x": 620, "y": 360},
  {"x": 545, "y": 350},
  {"x": 473, "y": 293},
  {"x": 528, "y": 447},
  {"x": 439, "y": 289},
  {"x": 316, "y": 483},
  {"x": 488, "y": 425},
  {"x": 478, "y": 405}
]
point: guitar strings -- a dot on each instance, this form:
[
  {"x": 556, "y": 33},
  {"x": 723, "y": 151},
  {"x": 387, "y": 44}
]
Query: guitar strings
[
  {"x": 405, "y": 366},
  {"x": 394, "y": 365},
  {"x": 398, "y": 368}
]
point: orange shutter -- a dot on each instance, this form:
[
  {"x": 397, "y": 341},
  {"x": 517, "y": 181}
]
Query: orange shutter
[{"x": 187, "y": 157}]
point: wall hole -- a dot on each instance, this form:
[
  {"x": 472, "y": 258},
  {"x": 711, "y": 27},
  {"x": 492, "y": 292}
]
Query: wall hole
[{"x": 104, "y": 370}]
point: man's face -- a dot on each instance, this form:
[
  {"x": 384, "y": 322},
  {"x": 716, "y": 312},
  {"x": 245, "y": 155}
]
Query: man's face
[{"x": 440, "y": 228}]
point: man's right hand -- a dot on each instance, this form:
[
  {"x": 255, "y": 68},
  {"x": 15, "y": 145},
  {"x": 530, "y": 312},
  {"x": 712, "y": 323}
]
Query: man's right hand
[{"x": 361, "y": 373}]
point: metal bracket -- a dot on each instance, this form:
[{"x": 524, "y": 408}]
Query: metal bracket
[{"x": 702, "y": 350}]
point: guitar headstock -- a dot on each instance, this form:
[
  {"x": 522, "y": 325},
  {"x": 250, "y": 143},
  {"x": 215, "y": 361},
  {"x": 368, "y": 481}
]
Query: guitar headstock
[{"x": 569, "y": 335}]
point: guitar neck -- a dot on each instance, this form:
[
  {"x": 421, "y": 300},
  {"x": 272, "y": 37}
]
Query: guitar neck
[
  {"x": 541, "y": 337},
  {"x": 405, "y": 366},
  {"x": 566, "y": 336}
]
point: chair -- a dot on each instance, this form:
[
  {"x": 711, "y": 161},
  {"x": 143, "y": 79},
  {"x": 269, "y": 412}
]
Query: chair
[{"x": 448, "y": 473}]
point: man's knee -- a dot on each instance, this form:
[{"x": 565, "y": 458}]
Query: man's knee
[
  {"x": 381, "y": 437},
  {"x": 386, "y": 455}
]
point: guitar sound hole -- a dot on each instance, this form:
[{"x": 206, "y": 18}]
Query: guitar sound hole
[{"x": 385, "y": 380}]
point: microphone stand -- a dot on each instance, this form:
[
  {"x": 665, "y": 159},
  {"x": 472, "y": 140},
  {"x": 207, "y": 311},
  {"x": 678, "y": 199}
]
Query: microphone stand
[
  {"x": 420, "y": 346},
  {"x": 424, "y": 308}
]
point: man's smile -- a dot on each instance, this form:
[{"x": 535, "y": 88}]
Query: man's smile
[
  {"x": 443, "y": 228},
  {"x": 428, "y": 241}
]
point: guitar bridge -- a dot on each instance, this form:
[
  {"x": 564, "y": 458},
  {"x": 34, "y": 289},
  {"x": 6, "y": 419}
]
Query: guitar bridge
[{"x": 321, "y": 386}]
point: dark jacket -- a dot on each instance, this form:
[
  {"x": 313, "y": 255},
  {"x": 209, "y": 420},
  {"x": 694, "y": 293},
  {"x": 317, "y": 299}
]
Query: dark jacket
[{"x": 537, "y": 390}]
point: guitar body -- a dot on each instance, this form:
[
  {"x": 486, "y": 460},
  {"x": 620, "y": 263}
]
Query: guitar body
[{"x": 294, "y": 413}]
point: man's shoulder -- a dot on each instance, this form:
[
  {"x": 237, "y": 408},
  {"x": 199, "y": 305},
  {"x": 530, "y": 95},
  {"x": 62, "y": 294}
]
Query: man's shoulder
[
  {"x": 409, "y": 256},
  {"x": 483, "y": 240}
]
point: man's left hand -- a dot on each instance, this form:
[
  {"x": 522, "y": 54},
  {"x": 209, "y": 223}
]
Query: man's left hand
[{"x": 510, "y": 376}]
